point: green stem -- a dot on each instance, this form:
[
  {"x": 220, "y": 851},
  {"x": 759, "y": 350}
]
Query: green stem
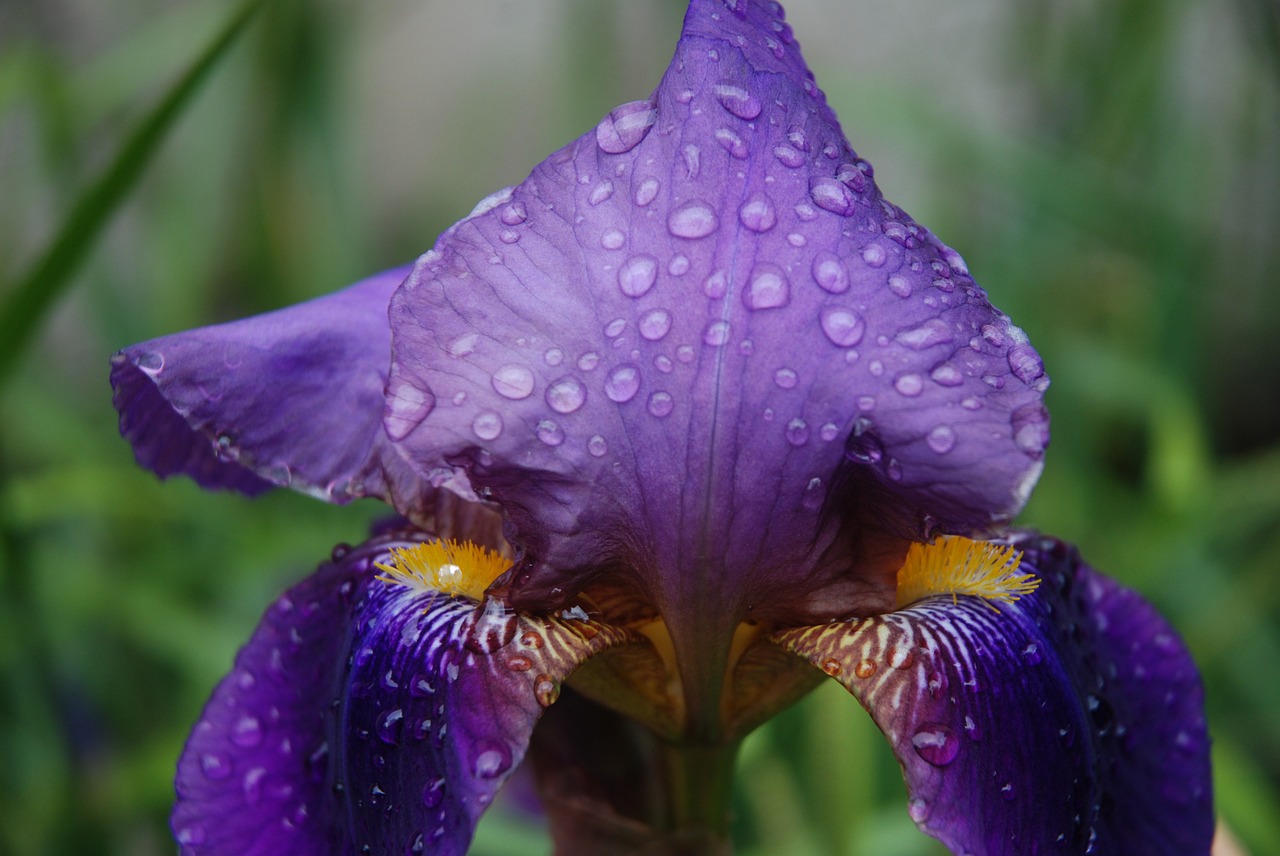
[{"x": 699, "y": 788}]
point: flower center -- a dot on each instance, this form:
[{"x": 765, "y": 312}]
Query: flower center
[
  {"x": 451, "y": 567},
  {"x": 955, "y": 565}
]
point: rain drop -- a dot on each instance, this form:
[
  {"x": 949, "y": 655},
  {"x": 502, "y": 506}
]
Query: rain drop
[
  {"x": 692, "y": 160},
  {"x": 900, "y": 285},
  {"x": 830, "y": 195},
  {"x": 566, "y": 395},
  {"x": 768, "y": 288},
  {"x": 514, "y": 214},
  {"x": 588, "y": 361},
  {"x": 797, "y": 432},
  {"x": 829, "y": 431},
  {"x": 492, "y": 762},
  {"x": 215, "y": 766},
  {"x": 247, "y": 732},
  {"x": 661, "y": 404},
  {"x": 553, "y": 357},
  {"x": 909, "y": 385},
  {"x": 1025, "y": 363},
  {"x": 433, "y": 793},
  {"x": 693, "y": 219},
  {"x": 716, "y": 333},
  {"x": 829, "y": 273},
  {"x": 732, "y": 143},
  {"x": 597, "y": 446},
  {"x": 407, "y": 406},
  {"x": 549, "y": 433},
  {"x": 785, "y": 378},
  {"x": 388, "y": 726},
  {"x": 615, "y": 327},
  {"x": 487, "y": 425},
  {"x": 678, "y": 265},
  {"x": 637, "y": 275},
  {"x": 873, "y": 254},
  {"x": 646, "y": 191},
  {"x": 946, "y": 374},
  {"x": 150, "y": 362},
  {"x": 612, "y": 239},
  {"x": 513, "y": 381},
  {"x": 625, "y": 126},
  {"x": 936, "y": 744},
  {"x": 737, "y": 101},
  {"x": 757, "y": 214},
  {"x": 843, "y": 327},
  {"x": 655, "y": 324},
  {"x": 716, "y": 285},
  {"x": 622, "y": 384},
  {"x": 601, "y": 192},
  {"x": 941, "y": 439},
  {"x": 789, "y": 157}
]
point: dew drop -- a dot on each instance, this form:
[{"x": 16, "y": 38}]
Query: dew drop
[
  {"x": 941, "y": 439},
  {"x": 492, "y": 761},
  {"x": 865, "y": 669},
  {"x": 407, "y": 405},
  {"x": 513, "y": 381},
  {"x": 549, "y": 433},
  {"x": 597, "y": 446},
  {"x": 625, "y": 126},
  {"x": 600, "y": 193},
  {"x": 716, "y": 285},
  {"x": 1025, "y": 363},
  {"x": 487, "y": 425},
  {"x": 247, "y": 732},
  {"x": 900, "y": 285},
  {"x": 909, "y": 385},
  {"x": 655, "y": 324},
  {"x": 661, "y": 404},
  {"x": 151, "y": 362},
  {"x": 388, "y": 726},
  {"x": 433, "y": 793},
  {"x": 829, "y": 431},
  {"x": 614, "y": 328},
  {"x": 936, "y": 744},
  {"x": 830, "y": 195},
  {"x": 622, "y": 384},
  {"x": 737, "y": 101},
  {"x": 663, "y": 363},
  {"x": 215, "y": 766},
  {"x": 646, "y": 191},
  {"x": 637, "y": 275},
  {"x": 716, "y": 333},
  {"x": 1030, "y": 425},
  {"x": 191, "y": 834},
  {"x": 946, "y": 374},
  {"x": 768, "y": 288},
  {"x": 612, "y": 239},
  {"x": 678, "y": 266},
  {"x": 514, "y": 214},
  {"x": 918, "y": 809},
  {"x": 757, "y": 214},
  {"x": 553, "y": 357},
  {"x": 797, "y": 432},
  {"x": 789, "y": 157},
  {"x": 692, "y": 160},
  {"x": 874, "y": 255},
  {"x": 829, "y": 273},
  {"x": 588, "y": 361},
  {"x": 732, "y": 143},
  {"x": 509, "y": 236},
  {"x": 785, "y": 378},
  {"x": 843, "y": 327},
  {"x": 566, "y": 395},
  {"x": 685, "y": 354},
  {"x": 693, "y": 219}
]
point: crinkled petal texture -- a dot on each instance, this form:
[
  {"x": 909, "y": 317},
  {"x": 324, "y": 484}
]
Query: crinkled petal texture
[
  {"x": 665, "y": 347},
  {"x": 364, "y": 716},
  {"x": 293, "y": 397},
  {"x": 1068, "y": 722}
]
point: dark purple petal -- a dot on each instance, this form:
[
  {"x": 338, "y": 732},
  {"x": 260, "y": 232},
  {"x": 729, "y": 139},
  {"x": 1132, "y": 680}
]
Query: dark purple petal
[
  {"x": 664, "y": 348},
  {"x": 1069, "y": 722},
  {"x": 364, "y": 715},
  {"x": 292, "y": 398}
]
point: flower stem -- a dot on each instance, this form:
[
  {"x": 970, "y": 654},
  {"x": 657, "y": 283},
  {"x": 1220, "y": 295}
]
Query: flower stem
[{"x": 699, "y": 787}]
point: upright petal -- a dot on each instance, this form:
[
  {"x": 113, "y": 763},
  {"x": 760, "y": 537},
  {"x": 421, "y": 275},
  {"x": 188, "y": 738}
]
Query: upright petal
[
  {"x": 366, "y": 717},
  {"x": 1068, "y": 722},
  {"x": 293, "y": 397},
  {"x": 697, "y": 342}
]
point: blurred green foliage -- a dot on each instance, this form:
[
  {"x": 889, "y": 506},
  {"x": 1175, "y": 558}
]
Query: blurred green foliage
[{"x": 1124, "y": 212}]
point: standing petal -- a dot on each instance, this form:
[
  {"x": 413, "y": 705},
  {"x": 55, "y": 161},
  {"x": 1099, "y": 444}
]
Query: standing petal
[
  {"x": 698, "y": 341},
  {"x": 291, "y": 398},
  {"x": 363, "y": 714},
  {"x": 1070, "y": 721}
]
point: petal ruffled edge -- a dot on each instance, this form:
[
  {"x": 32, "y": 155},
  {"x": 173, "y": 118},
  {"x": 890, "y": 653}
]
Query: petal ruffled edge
[{"x": 1070, "y": 721}]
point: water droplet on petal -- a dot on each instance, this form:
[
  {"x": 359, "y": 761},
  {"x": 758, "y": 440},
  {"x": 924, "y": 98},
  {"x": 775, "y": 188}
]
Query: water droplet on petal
[
  {"x": 588, "y": 361},
  {"x": 692, "y": 160},
  {"x": 737, "y": 101},
  {"x": 693, "y": 220},
  {"x": 600, "y": 193},
  {"x": 191, "y": 834},
  {"x": 716, "y": 285},
  {"x": 597, "y": 446},
  {"x": 549, "y": 433},
  {"x": 900, "y": 285},
  {"x": 487, "y": 425},
  {"x": 716, "y": 333},
  {"x": 768, "y": 288},
  {"x": 492, "y": 761},
  {"x": 625, "y": 126},
  {"x": 406, "y": 406},
  {"x": 638, "y": 275},
  {"x": 566, "y": 395},
  {"x": 215, "y": 766},
  {"x": 785, "y": 378},
  {"x": 513, "y": 381},
  {"x": 936, "y": 744},
  {"x": 830, "y": 195},
  {"x": 433, "y": 793},
  {"x": 614, "y": 328},
  {"x": 829, "y": 273},
  {"x": 732, "y": 143},
  {"x": 247, "y": 731},
  {"x": 655, "y": 324},
  {"x": 797, "y": 432},
  {"x": 909, "y": 385},
  {"x": 789, "y": 157},
  {"x": 678, "y": 265},
  {"x": 874, "y": 255},
  {"x": 918, "y": 809},
  {"x": 941, "y": 439},
  {"x": 946, "y": 374},
  {"x": 1025, "y": 363},
  {"x": 388, "y": 726},
  {"x": 829, "y": 431},
  {"x": 151, "y": 362},
  {"x": 646, "y": 191},
  {"x": 1030, "y": 425},
  {"x": 612, "y": 239},
  {"x": 514, "y": 214},
  {"x": 661, "y": 404},
  {"x": 509, "y": 236},
  {"x": 757, "y": 214},
  {"x": 553, "y": 357},
  {"x": 685, "y": 354},
  {"x": 622, "y": 384},
  {"x": 843, "y": 327}
]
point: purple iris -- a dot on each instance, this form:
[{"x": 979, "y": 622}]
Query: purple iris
[{"x": 688, "y": 419}]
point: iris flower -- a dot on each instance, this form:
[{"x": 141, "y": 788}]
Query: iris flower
[{"x": 687, "y": 421}]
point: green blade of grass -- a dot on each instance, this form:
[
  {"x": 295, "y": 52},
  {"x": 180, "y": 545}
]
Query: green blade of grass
[{"x": 26, "y": 304}]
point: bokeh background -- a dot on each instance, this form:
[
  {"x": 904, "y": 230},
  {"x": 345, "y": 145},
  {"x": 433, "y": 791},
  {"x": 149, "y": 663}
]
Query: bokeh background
[{"x": 1109, "y": 168}]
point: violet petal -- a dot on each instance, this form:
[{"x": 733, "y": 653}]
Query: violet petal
[
  {"x": 363, "y": 713},
  {"x": 293, "y": 397},
  {"x": 1071, "y": 721},
  {"x": 664, "y": 347}
]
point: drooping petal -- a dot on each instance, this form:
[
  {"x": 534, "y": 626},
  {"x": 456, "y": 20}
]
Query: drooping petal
[
  {"x": 665, "y": 347},
  {"x": 1068, "y": 722},
  {"x": 293, "y": 397},
  {"x": 365, "y": 714}
]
